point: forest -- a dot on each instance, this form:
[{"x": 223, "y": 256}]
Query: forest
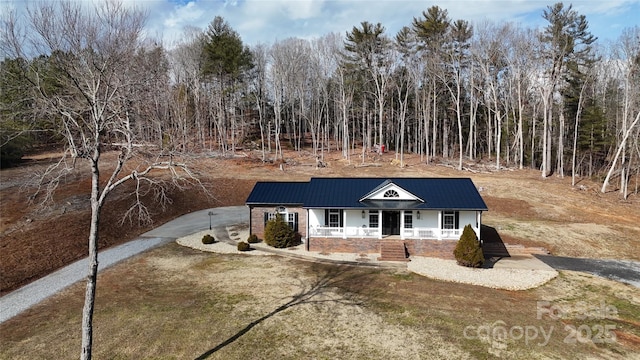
[{"x": 553, "y": 99}]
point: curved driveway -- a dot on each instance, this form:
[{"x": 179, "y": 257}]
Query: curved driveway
[{"x": 23, "y": 298}]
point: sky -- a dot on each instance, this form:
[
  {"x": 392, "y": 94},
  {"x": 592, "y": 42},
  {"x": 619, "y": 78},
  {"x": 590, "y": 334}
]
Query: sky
[{"x": 267, "y": 21}]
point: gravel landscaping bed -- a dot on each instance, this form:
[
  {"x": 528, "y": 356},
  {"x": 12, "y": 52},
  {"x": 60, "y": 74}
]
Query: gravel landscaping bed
[
  {"x": 507, "y": 279},
  {"x": 440, "y": 269}
]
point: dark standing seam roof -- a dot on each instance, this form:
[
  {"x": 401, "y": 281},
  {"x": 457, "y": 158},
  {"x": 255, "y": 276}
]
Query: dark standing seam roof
[
  {"x": 278, "y": 193},
  {"x": 345, "y": 193}
]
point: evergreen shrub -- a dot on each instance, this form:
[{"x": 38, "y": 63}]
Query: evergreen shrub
[
  {"x": 279, "y": 234},
  {"x": 208, "y": 239},
  {"x": 468, "y": 251}
]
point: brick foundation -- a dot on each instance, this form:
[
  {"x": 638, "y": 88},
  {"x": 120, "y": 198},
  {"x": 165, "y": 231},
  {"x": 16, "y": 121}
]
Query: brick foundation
[{"x": 432, "y": 248}]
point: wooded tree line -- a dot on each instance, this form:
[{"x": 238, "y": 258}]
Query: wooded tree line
[{"x": 552, "y": 99}]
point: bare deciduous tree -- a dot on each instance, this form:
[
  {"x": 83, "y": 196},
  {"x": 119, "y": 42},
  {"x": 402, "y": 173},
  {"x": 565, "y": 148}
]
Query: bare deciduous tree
[{"x": 91, "y": 50}]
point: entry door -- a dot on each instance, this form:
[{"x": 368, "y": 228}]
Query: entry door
[{"x": 391, "y": 223}]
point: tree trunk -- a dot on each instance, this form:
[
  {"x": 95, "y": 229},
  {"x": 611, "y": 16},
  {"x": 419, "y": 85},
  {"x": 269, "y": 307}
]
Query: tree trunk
[
  {"x": 620, "y": 147},
  {"x": 90, "y": 293}
]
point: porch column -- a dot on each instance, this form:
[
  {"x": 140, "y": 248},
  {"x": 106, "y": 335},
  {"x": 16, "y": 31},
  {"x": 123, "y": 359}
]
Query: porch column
[
  {"x": 479, "y": 223},
  {"x": 380, "y": 224},
  {"x": 344, "y": 224},
  {"x": 439, "y": 225},
  {"x": 401, "y": 224}
]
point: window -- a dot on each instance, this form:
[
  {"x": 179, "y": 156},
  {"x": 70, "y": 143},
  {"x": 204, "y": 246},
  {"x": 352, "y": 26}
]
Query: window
[
  {"x": 290, "y": 218},
  {"x": 408, "y": 220},
  {"x": 391, "y": 194},
  {"x": 449, "y": 220},
  {"x": 334, "y": 218},
  {"x": 373, "y": 219}
]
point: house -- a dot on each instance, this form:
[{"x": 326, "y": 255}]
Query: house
[{"x": 425, "y": 215}]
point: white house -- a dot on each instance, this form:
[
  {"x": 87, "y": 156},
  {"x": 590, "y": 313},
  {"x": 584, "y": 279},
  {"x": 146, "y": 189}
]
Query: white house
[{"x": 360, "y": 214}]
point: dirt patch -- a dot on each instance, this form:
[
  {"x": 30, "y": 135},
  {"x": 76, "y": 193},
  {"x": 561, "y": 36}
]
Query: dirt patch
[{"x": 513, "y": 208}]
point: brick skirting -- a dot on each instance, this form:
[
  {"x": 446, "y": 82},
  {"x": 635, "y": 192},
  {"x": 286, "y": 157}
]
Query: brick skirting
[{"x": 432, "y": 248}]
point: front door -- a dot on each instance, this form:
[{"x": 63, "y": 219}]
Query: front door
[{"x": 391, "y": 223}]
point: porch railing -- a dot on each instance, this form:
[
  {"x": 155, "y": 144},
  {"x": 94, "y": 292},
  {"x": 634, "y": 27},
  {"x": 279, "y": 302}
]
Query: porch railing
[
  {"x": 348, "y": 231},
  {"x": 431, "y": 233},
  {"x": 364, "y": 232}
]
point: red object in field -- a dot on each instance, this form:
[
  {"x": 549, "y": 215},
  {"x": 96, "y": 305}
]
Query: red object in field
[{"x": 381, "y": 148}]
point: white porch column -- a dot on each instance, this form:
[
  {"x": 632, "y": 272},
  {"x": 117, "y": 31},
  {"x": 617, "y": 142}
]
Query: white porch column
[
  {"x": 344, "y": 224},
  {"x": 379, "y": 224},
  {"x": 479, "y": 223},
  {"x": 401, "y": 224},
  {"x": 439, "y": 225}
]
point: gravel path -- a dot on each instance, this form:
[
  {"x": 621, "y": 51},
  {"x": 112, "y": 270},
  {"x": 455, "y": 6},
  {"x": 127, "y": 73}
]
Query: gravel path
[
  {"x": 29, "y": 295},
  {"x": 25, "y": 297}
]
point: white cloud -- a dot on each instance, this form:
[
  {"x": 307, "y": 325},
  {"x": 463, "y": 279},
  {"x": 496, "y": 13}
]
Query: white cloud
[
  {"x": 187, "y": 14},
  {"x": 270, "y": 20}
]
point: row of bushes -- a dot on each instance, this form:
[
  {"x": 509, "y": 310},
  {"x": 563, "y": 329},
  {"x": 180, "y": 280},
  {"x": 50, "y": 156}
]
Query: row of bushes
[{"x": 242, "y": 246}]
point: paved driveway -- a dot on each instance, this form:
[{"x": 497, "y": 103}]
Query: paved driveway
[
  {"x": 23, "y": 298},
  {"x": 625, "y": 271}
]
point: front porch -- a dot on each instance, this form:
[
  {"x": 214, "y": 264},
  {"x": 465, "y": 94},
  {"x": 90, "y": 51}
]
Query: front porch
[
  {"x": 380, "y": 223},
  {"x": 371, "y": 233}
]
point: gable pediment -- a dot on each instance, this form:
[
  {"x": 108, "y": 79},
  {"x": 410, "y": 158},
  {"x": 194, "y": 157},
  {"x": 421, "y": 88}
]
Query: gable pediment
[{"x": 390, "y": 191}]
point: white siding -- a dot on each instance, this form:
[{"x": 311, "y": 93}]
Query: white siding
[
  {"x": 468, "y": 217},
  {"x": 316, "y": 218},
  {"x": 428, "y": 219}
]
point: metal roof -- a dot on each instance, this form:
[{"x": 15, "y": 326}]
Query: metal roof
[
  {"x": 346, "y": 193},
  {"x": 278, "y": 193}
]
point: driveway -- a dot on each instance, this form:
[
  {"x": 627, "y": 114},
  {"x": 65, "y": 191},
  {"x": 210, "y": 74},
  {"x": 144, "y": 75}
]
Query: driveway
[
  {"x": 625, "y": 271},
  {"x": 29, "y": 295}
]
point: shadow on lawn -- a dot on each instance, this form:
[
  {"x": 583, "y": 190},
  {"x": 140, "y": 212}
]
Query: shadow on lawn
[{"x": 330, "y": 278}]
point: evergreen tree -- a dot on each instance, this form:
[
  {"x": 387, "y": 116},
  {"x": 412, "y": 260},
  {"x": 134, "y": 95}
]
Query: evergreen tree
[{"x": 468, "y": 251}]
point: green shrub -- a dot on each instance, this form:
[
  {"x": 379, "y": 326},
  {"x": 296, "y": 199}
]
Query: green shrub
[
  {"x": 208, "y": 239},
  {"x": 253, "y": 239},
  {"x": 468, "y": 251},
  {"x": 279, "y": 234},
  {"x": 243, "y": 246}
]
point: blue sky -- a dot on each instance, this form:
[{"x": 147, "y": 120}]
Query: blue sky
[
  {"x": 265, "y": 21},
  {"x": 269, "y": 20}
]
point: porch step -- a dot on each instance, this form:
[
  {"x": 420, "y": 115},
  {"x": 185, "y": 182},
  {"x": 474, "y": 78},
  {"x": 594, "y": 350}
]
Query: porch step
[{"x": 393, "y": 251}]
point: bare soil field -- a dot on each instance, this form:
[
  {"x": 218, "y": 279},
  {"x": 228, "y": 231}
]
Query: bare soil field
[
  {"x": 177, "y": 302},
  {"x": 523, "y": 207}
]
